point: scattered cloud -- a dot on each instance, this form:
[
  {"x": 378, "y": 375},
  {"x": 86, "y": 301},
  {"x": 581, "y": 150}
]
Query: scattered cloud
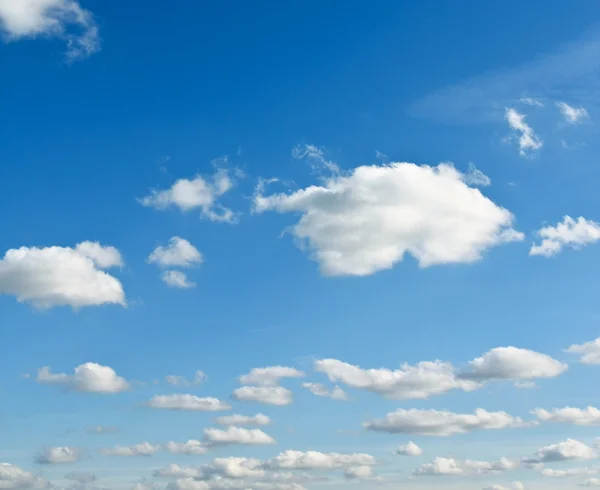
[
  {"x": 237, "y": 435},
  {"x": 62, "y": 276},
  {"x": 179, "y": 253},
  {"x": 570, "y": 233},
  {"x": 190, "y": 447},
  {"x": 176, "y": 471},
  {"x": 270, "y": 376},
  {"x": 570, "y": 449},
  {"x": 269, "y": 395},
  {"x": 13, "y": 477},
  {"x": 590, "y": 351},
  {"x": 199, "y": 378},
  {"x": 316, "y": 159},
  {"x": 476, "y": 178},
  {"x": 570, "y": 472},
  {"x": 59, "y": 455},
  {"x": 454, "y": 467},
  {"x": 89, "y": 377},
  {"x": 240, "y": 420},
  {"x": 321, "y": 390},
  {"x": 532, "y": 101},
  {"x": 409, "y": 449},
  {"x": 311, "y": 460},
  {"x": 570, "y": 415},
  {"x": 528, "y": 141},
  {"x": 573, "y": 115},
  {"x": 517, "y": 485},
  {"x": 141, "y": 449},
  {"x": 188, "y": 402},
  {"x": 177, "y": 279},
  {"x": 591, "y": 482},
  {"x": 359, "y": 472},
  {"x": 81, "y": 476}
]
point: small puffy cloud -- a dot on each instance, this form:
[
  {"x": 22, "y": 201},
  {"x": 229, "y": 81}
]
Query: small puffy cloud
[
  {"x": 421, "y": 381},
  {"x": 234, "y": 468},
  {"x": 59, "y": 455},
  {"x": 141, "y": 449},
  {"x": 314, "y": 460},
  {"x": 528, "y": 140},
  {"x": 367, "y": 220},
  {"x": 573, "y": 115},
  {"x": 454, "y": 467},
  {"x": 269, "y": 376},
  {"x": 177, "y": 471},
  {"x": 240, "y": 420},
  {"x": 199, "y": 378},
  {"x": 570, "y": 449},
  {"x": 589, "y": 416},
  {"x": 475, "y": 177},
  {"x": 14, "y": 478},
  {"x": 190, "y": 447},
  {"x": 590, "y": 351},
  {"x": 89, "y": 377},
  {"x": 177, "y": 279},
  {"x": 62, "y": 276},
  {"x": 64, "y": 19},
  {"x": 268, "y": 395},
  {"x": 81, "y": 476},
  {"x": 321, "y": 390},
  {"x": 101, "y": 429},
  {"x": 179, "y": 253},
  {"x": 442, "y": 423},
  {"x": 359, "y": 472},
  {"x": 188, "y": 402},
  {"x": 409, "y": 449},
  {"x": 512, "y": 363},
  {"x": 237, "y": 435},
  {"x": 569, "y": 233},
  {"x": 198, "y": 193}
]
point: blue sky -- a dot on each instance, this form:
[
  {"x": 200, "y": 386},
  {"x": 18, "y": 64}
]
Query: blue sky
[{"x": 396, "y": 200}]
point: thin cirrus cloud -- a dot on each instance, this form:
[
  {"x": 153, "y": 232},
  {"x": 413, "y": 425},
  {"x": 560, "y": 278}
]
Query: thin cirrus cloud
[
  {"x": 63, "y": 19},
  {"x": 527, "y": 140},
  {"x": 62, "y": 276},
  {"x": 573, "y": 115},
  {"x": 590, "y": 352},
  {"x": 569, "y": 233},
  {"x": 187, "y": 402},
  {"x": 89, "y": 377},
  {"x": 407, "y": 212}
]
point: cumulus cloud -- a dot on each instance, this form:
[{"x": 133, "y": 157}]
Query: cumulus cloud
[
  {"x": 64, "y": 19},
  {"x": 177, "y": 279},
  {"x": 590, "y": 351},
  {"x": 237, "y": 435},
  {"x": 570, "y": 449},
  {"x": 569, "y": 233},
  {"x": 528, "y": 140},
  {"x": 454, "y": 467},
  {"x": 89, "y": 377},
  {"x": 198, "y": 193},
  {"x": 62, "y": 276},
  {"x": 234, "y": 468},
  {"x": 141, "y": 449},
  {"x": 312, "y": 460},
  {"x": 359, "y": 472},
  {"x": 367, "y": 220},
  {"x": 589, "y": 416},
  {"x": 177, "y": 471},
  {"x": 188, "y": 402},
  {"x": 570, "y": 472},
  {"x": 14, "y": 478},
  {"x": 179, "y": 253},
  {"x": 409, "y": 449},
  {"x": 269, "y": 376},
  {"x": 268, "y": 395},
  {"x": 321, "y": 390},
  {"x": 199, "y": 378},
  {"x": 190, "y": 447},
  {"x": 240, "y": 420},
  {"x": 418, "y": 382},
  {"x": 59, "y": 455},
  {"x": 442, "y": 423},
  {"x": 573, "y": 115}
]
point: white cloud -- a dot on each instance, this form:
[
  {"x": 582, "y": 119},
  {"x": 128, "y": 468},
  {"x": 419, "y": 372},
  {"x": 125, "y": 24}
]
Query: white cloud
[
  {"x": 237, "y": 435},
  {"x": 239, "y": 420},
  {"x": 571, "y": 415},
  {"x": 528, "y": 140},
  {"x": 312, "y": 460},
  {"x": 321, "y": 390},
  {"x": 573, "y": 115},
  {"x": 512, "y": 363},
  {"x": 269, "y": 395},
  {"x": 367, "y": 220},
  {"x": 65, "y": 19},
  {"x": 420, "y": 381},
  {"x": 188, "y": 402},
  {"x": 179, "y": 253},
  {"x": 590, "y": 351},
  {"x": 475, "y": 177},
  {"x": 442, "y": 423},
  {"x": 61, "y": 276},
  {"x": 82, "y": 477},
  {"x": 359, "y": 472},
  {"x": 176, "y": 471},
  {"x": 141, "y": 449},
  {"x": 532, "y": 101},
  {"x": 59, "y": 455},
  {"x": 177, "y": 279},
  {"x": 190, "y": 447},
  {"x": 14, "y": 478},
  {"x": 517, "y": 485},
  {"x": 570, "y": 449},
  {"x": 198, "y": 193},
  {"x": 454, "y": 467},
  {"x": 316, "y": 159},
  {"x": 199, "y": 378},
  {"x": 89, "y": 377},
  {"x": 570, "y": 472},
  {"x": 409, "y": 449},
  {"x": 234, "y": 468},
  {"x": 591, "y": 482},
  {"x": 568, "y": 233},
  {"x": 269, "y": 376},
  {"x": 188, "y": 484},
  {"x": 100, "y": 429}
]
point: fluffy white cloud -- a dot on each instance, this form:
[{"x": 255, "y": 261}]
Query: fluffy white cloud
[
  {"x": 269, "y": 376},
  {"x": 573, "y": 115},
  {"x": 59, "y": 455},
  {"x": 177, "y": 279},
  {"x": 409, "y": 449},
  {"x": 65, "y": 19},
  {"x": 590, "y": 351},
  {"x": 367, "y": 220},
  {"x": 269, "y": 395},
  {"x": 198, "y": 193},
  {"x": 552, "y": 473},
  {"x": 141, "y": 449},
  {"x": 313, "y": 460},
  {"x": 517, "y": 485},
  {"x": 570, "y": 233},
  {"x": 321, "y": 390},
  {"x": 14, "y": 478},
  {"x": 571, "y": 415},
  {"x": 61, "y": 276},
  {"x": 239, "y": 420},
  {"x": 359, "y": 472},
  {"x": 179, "y": 253},
  {"x": 81, "y": 476},
  {"x": 190, "y": 447},
  {"x": 512, "y": 363},
  {"x": 89, "y": 377},
  {"x": 199, "y": 378},
  {"x": 188, "y": 402},
  {"x": 570, "y": 449},
  {"x": 449, "y": 466},
  {"x": 528, "y": 140},
  {"x": 420, "y": 381},
  {"x": 234, "y": 468},
  {"x": 442, "y": 423},
  {"x": 237, "y": 435},
  {"x": 591, "y": 482},
  {"x": 176, "y": 471}
]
